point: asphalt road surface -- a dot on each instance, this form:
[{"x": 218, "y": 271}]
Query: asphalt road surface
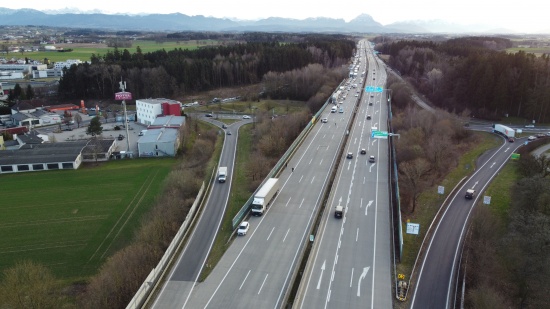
[
  {"x": 436, "y": 286},
  {"x": 350, "y": 266},
  {"x": 190, "y": 263}
]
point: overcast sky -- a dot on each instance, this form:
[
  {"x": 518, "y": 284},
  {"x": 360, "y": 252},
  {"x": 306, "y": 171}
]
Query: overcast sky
[{"x": 523, "y": 16}]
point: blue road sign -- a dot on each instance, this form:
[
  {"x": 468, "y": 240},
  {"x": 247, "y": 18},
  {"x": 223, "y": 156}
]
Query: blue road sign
[{"x": 373, "y": 89}]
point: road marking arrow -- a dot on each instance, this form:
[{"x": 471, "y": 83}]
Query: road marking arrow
[
  {"x": 367, "y": 208},
  {"x": 321, "y": 276},
  {"x": 363, "y": 275},
  {"x": 475, "y": 184},
  {"x": 492, "y": 165}
]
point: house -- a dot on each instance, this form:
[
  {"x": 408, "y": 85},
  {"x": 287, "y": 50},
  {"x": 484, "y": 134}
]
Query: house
[{"x": 25, "y": 120}]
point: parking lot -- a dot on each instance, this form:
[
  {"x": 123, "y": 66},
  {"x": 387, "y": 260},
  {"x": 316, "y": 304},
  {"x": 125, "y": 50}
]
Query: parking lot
[{"x": 108, "y": 132}]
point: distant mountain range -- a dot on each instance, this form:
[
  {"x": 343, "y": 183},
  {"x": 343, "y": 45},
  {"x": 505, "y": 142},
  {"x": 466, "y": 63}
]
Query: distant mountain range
[{"x": 180, "y": 22}]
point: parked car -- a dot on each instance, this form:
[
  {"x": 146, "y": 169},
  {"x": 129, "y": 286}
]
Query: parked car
[
  {"x": 243, "y": 228},
  {"x": 541, "y": 135}
]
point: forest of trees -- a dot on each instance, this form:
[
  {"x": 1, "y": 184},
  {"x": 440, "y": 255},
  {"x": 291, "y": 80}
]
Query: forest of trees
[
  {"x": 179, "y": 72},
  {"x": 508, "y": 253},
  {"x": 474, "y": 74}
]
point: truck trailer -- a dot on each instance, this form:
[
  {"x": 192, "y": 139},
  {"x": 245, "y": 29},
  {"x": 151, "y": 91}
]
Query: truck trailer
[
  {"x": 222, "y": 174},
  {"x": 504, "y": 130},
  {"x": 264, "y": 196}
]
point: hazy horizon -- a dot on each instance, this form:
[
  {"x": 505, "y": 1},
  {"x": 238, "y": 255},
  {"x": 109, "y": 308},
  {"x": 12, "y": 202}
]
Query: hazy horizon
[{"x": 529, "y": 17}]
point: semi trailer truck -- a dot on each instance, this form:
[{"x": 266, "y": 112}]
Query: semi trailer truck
[{"x": 264, "y": 196}]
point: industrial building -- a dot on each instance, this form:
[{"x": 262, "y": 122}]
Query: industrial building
[
  {"x": 162, "y": 142},
  {"x": 147, "y": 110}
]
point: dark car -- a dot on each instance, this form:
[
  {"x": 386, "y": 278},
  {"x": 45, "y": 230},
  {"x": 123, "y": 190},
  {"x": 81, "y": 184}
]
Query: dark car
[
  {"x": 208, "y": 115},
  {"x": 120, "y": 137},
  {"x": 350, "y": 155}
]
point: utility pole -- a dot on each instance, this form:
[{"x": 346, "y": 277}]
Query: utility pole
[{"x": 125, "y": 121}]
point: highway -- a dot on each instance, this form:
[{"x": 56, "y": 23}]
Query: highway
[
  {"x": 192, "y": 259},
  {"x": 351, "y": 263},
  {"x": 257, "y": 269},
  {"x": 437, "y": 279}
]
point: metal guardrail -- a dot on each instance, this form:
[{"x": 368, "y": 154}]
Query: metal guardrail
[
  {"x": 283, "y": 160},
  {"x": 154, "y": 276}
]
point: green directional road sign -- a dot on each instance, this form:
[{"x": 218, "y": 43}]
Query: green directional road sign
[{"x": 379, "y": 134}]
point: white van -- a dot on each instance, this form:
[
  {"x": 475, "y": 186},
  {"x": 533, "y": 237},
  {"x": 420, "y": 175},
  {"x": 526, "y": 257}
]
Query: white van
[{"x": 333, "y": 109}]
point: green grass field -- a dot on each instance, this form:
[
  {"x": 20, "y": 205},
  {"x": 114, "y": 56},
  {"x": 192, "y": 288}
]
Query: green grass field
[
  {"x": 71, "y": 221},
  {"x": 84, "y": 53}
]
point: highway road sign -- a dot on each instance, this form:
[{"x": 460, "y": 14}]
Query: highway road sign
[
  {"x": 487, "y": 200},
  {"x": 379, "y": 134},
  {"x": 413, "y": 228},
  {"x": 373, "y": 89},
  {"x": 441, "y": 189}
]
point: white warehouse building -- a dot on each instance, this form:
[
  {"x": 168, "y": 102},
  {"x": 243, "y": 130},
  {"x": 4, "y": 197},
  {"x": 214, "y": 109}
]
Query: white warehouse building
[
  {"x": 159, "y": 143},
  {"x": 148, "y": 109}
]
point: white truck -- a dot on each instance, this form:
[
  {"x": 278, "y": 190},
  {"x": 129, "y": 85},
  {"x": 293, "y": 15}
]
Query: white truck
[
  {"x": 504, "y": 130},
  {"x": 264, "y": 196},
  {"x": 222, "y": 174}
]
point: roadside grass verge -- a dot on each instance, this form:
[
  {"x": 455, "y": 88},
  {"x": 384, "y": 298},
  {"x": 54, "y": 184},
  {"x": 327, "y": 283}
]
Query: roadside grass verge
[
  {"x": 72, "y": 220},
  {"x": 430, "y": 201},
  {"x": 500, "y": 190}
]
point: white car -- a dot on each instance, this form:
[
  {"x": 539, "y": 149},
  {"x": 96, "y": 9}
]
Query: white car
[
  {"x": 243, "y": 228},
  {"x": 246, "y": 117},
  {"x": 324, "y": 120},
  {"x": 531, "y": 138},
  {"x": 530, "y": 126}
]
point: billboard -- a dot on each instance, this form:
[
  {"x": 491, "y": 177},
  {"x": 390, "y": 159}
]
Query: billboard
[{"x": 120, "y": 96}]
